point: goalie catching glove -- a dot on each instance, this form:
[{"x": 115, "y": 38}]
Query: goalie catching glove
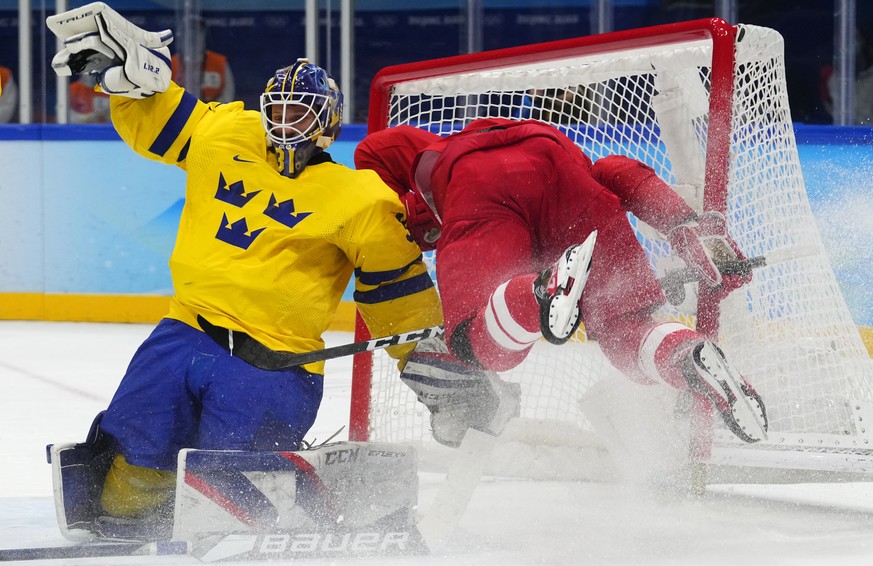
[
  {"x": 458, "y": 396},
  {"x": 703, "y": 243},
  {"x": 125, "y": 59}
]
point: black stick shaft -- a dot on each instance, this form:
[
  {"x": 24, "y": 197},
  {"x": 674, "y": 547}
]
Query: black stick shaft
[
  {"x": 357, "y": 347},
  {"x": 670, "y": 282},
  {"x": 95, "y": 550},
  {"x": 673, "y": 280}
]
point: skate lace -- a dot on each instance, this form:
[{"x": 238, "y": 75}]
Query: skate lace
[{"x": 311, "y": 445}]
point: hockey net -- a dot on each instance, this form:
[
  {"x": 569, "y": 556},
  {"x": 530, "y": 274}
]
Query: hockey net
[{"x": 705, "y": 104}]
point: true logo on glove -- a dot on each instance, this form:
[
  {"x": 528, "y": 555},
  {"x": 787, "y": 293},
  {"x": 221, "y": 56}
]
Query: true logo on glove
[{"x": 75, "y": 18}]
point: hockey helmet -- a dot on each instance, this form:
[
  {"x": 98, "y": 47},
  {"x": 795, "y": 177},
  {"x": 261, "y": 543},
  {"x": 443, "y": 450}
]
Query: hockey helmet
[
  {"x": 391, "y": 153},
  {"x": 301, "y": 109}
]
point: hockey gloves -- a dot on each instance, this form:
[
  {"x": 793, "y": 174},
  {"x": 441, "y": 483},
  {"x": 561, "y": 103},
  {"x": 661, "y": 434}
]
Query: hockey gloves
[
  {"x": 704, "y": 243},
  {"x": 421, "y": 222},
  {"x": 558, "y": 291},
  {"x": 126, "y": 60},
  {"x": 458, "y": 396}
]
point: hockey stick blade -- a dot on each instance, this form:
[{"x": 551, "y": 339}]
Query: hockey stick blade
[
  {"x": 290, "y": 360},
  {"x": 96, "y": 550},
  {"x": 674, "y": 281}
]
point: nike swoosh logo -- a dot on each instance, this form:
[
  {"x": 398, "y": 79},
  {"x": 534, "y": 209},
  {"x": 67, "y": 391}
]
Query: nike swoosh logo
[{"x": 240, "y": 159}]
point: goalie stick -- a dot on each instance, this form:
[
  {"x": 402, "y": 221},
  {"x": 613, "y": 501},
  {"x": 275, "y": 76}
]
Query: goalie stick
[
  {"x": 291, "y": 360},
  {"x": 96, "y": 550},
  {"x": 672, "y": 284},
  {"x": 454, "y": 495},
  {"x": 271, "y": 546}
]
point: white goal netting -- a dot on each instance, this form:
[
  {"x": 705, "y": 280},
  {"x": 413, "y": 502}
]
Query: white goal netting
[{"x": 662, "y": 97}]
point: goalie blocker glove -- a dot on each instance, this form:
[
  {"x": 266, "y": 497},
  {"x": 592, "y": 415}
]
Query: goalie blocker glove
[
  {"x": 558, "y": 291},
  {"x": 125, "y": 59},
  {"x": 458, "y": 396}
]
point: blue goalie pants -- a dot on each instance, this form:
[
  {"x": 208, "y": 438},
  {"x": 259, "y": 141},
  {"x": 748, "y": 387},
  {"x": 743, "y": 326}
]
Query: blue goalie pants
[{"x": 183, "y": 390}]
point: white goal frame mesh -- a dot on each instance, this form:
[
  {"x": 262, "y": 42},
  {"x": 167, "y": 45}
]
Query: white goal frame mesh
[{"x": 705, "y": 104}]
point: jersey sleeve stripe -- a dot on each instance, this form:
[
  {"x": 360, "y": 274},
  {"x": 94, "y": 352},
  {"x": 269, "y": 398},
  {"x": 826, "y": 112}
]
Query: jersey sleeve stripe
[
  {"x": 173, "y": 128},
  {"x": 379, "y": 277},
  {"x": 395, "y": 290},
  {"x": 184, "y": 153}
]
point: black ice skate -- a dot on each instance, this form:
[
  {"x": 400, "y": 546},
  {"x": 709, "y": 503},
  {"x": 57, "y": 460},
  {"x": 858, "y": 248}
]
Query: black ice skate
[{"x": 708, "y": 372}]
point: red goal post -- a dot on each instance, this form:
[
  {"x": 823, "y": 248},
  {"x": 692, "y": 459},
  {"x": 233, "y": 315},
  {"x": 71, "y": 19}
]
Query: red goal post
[{"x": 704, "y": 103}]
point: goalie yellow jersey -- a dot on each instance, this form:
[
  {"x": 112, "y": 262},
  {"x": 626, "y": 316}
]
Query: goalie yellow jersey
[{"x": 260, "y": 253}]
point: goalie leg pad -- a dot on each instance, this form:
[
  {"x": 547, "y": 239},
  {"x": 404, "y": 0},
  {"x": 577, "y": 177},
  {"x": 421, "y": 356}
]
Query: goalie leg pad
[
  {"x": 559, "y": 291},
  {"x": 708, "y": 372},
  {"x": 342, "y": 486},
  {"x": 78, "y": 470}
]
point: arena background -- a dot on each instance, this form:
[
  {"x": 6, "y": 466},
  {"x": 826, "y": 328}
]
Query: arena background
[{"x": 87, "y": 228}]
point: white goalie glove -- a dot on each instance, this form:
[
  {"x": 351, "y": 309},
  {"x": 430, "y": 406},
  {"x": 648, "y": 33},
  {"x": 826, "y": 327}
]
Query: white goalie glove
[
  {"x": 125, "y": 59},
  {"x": 458, "y": 396}
]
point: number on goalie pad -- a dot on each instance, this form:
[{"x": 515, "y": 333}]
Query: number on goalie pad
[{"x": 341, "y": 487}]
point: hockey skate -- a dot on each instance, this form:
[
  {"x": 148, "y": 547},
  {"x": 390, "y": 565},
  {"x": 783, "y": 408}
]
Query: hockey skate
[
  {"x": 708, "y": 372},
  {"x": 559, "y": 291}
]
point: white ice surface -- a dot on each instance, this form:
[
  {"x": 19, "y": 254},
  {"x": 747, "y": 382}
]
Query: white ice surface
[{"x": 56, "y": 376}]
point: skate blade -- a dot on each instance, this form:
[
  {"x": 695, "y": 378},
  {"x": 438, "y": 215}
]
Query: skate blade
[{"x": 747, "y": 412}]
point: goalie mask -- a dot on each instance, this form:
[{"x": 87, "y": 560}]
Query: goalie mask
[{"x": 301, "y": 110}]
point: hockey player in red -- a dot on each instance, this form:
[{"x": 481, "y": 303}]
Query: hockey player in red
[{"x": 507, "y": 203}]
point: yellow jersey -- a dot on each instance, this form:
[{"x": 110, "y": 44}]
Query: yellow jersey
[{"x": 271, "y": 256}]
